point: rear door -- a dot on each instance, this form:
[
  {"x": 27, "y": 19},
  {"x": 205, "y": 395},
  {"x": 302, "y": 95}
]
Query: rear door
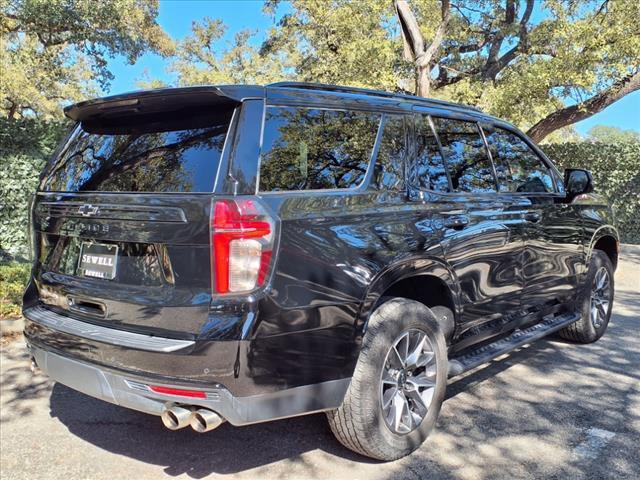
[
  {"x": 553, "y": 251},
  {"x": 121, "y": 217}
]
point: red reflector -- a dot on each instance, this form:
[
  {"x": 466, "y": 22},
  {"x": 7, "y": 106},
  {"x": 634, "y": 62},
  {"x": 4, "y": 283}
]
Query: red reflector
[{"x": 177, "y": 391}]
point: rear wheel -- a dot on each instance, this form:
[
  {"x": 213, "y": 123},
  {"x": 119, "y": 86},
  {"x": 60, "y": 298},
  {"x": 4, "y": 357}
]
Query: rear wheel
[
  {"x": 398, "y": 385},
  {"x": 596, "y": 302}
]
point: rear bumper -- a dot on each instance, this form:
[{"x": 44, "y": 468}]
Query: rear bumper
[
  {"x": 134, "y": 392},
  {"x": 89, "y": 331},
  {"x": 244, "y": 367},
  {"x": 239, "y": 381}
]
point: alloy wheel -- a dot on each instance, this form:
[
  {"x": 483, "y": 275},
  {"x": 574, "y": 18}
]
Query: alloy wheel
[
  {"x": 600, "y": 297},
  {"x": 408, "y": 381}
]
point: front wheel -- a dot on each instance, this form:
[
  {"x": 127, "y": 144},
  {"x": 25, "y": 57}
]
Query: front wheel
[
  {"x": 398, "y": 384},
  {"x": 595, "y": 303}
]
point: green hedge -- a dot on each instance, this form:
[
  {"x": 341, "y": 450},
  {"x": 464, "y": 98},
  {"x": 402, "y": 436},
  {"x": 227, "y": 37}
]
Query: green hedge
[
  {"x": 616, "y": 174},
  {"x": 25, "y": 146},
  {"x": 13, "y": 280}
]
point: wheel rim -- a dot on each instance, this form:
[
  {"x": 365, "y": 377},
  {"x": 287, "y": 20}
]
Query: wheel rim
[
  {"x": 600, "y": 297},
  {"x": 408, "y": 381}
]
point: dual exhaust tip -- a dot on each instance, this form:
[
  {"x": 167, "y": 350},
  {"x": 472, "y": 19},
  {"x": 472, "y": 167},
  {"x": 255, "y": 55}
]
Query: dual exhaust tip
[{"x": 201, "y": 420}]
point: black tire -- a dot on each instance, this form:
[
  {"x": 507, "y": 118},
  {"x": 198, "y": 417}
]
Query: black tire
[
  {"x": 359, "y": 423},
  {"x": 585, "y": 330}
]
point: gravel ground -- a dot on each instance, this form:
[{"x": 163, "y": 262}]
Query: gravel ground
[{"x": 552, "y": 409}]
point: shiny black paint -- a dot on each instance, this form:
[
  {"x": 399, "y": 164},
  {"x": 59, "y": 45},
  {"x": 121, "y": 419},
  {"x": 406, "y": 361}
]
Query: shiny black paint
[{"x": 507, "y": 259}]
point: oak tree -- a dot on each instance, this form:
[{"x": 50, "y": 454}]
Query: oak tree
[
  {"x": 541, "y": 64},
  {"x": 56, "y": 51}
]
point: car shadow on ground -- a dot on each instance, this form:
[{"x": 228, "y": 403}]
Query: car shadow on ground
[{"x": 225, "y": 450}]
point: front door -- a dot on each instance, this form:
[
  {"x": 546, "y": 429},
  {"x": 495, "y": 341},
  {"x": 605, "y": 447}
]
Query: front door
[{"x": 553, "y": 249}]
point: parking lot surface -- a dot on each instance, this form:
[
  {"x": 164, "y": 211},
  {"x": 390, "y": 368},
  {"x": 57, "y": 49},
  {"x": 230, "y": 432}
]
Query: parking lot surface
[{"x": 552, "y": 409}]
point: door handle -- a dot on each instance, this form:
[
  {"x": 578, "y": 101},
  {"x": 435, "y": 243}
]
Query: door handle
[
  {"x": 87, "y": 307},
  {"x": 532, "y": 217},
  {"x": 457, "y": 222}
]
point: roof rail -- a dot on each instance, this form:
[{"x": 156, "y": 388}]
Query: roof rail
[{"x": 368, "y": 91}]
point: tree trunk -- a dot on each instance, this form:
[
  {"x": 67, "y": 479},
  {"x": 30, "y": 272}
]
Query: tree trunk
[
  {"x": 423, "y": 80},
  {"x": 414, "y": 44},
  {"x": 575, "y": 113},
  {"x": 13, "y": 109}
]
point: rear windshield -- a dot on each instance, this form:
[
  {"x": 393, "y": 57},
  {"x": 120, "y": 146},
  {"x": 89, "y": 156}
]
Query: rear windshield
[{"x": 173, "y": 156}]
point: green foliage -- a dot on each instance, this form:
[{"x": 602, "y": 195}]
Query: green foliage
[
  {"x": 342, "y": 42},
  {"x": 612, "y": 135},
  {"x": 517, "y": 63},
  {"x": 316, "y": 149},
  {"x": 13, "y": 280},
  {"x": 25, "y": 146},
  {"x": 616, "y": 173},
  {"x": 57, "y": 50},
  {"x": 200, "y": 59}
]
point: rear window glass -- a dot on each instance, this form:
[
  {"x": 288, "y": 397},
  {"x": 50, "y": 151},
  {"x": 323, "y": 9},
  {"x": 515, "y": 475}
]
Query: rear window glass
[
  {"x": 309, "y": 149},
  {"x": 141, "y": 160},
  {"x": 389, "y": 164},
  {"x": 429, "y": 172},
  {"x": 466, "y": 155}
]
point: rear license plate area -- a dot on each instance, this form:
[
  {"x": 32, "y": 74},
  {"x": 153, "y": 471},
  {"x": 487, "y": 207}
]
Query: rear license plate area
[{"x": 98, "y": 260}]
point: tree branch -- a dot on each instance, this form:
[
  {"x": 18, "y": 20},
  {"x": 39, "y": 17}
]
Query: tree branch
[
  {"x": 494, "y": 64},
  {"x": 468, "y": 47},
  {"x": 439, "y": 35},
  {"x": 411, "y": 35},
  {"x": 575, "y": 113}
]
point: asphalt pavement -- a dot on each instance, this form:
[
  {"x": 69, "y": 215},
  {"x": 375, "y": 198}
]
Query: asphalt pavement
[{"x": 552, "y": 409}]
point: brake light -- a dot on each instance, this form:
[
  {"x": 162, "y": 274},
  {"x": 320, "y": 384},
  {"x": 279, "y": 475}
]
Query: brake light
[{"x": 242, "y": 238}]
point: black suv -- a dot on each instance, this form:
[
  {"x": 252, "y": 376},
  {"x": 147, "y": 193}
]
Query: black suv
[{"x": 248, "y": 253}]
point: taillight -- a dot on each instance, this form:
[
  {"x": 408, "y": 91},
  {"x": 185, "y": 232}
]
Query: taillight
[{"x": 242, "y": 240}]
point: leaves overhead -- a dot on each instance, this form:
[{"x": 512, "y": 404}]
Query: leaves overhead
[
  {"x": 522, "y": 60},
  {"x": 203, "y": 57},
  {"x": 546, "y": 63},
  {"x": 56, "y": 51}
]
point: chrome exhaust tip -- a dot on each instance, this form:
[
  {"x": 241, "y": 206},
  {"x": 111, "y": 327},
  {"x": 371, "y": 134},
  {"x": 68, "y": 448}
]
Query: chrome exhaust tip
[
  {"x": 204, "y": 420},
  {"x": 174, "y": 417}
]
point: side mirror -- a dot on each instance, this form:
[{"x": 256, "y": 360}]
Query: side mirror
[{"x": 577, "y": 181}]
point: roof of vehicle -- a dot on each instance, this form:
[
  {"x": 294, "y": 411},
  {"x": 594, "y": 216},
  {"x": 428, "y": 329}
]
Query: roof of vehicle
[
  {"x": 185, "y": 97},
  {"x": 370, "y": 93}
]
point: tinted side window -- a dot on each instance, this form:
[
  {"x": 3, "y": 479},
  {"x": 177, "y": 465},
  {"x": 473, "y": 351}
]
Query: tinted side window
[
  {"x": 389, "y": 164},
  {"x": 306, "y": 148},
  {"x": 429, "y": 172},
  {"x": 519, "y": 168},
  {"x": 467, "y": 160}
]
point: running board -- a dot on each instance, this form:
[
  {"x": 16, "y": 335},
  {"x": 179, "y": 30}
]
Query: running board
[{"x": 464, "y": 363}]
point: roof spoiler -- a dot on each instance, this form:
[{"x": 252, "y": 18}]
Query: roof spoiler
[{"x": 151, "y": 101}]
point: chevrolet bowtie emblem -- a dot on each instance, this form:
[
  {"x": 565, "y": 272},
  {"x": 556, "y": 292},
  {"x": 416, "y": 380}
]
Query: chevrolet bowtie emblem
[{"x": 87, "y": 210}]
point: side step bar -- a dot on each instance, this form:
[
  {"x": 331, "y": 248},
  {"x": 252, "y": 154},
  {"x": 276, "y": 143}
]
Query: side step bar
[{"x": 468, "y": 361}]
